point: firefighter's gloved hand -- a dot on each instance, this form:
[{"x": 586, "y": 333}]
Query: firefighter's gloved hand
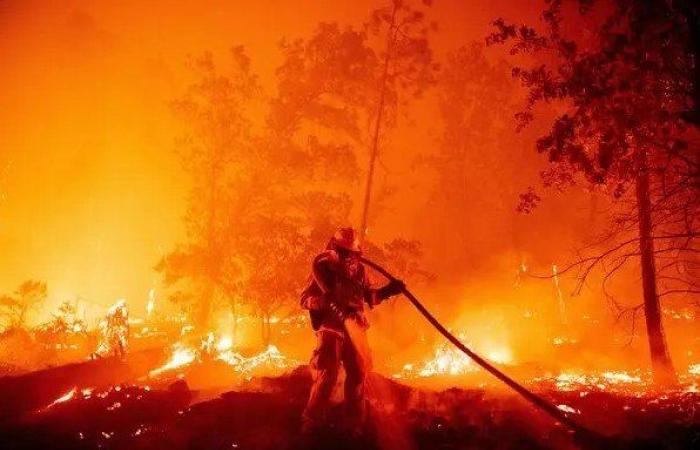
[{"x": 394, "y": 287}]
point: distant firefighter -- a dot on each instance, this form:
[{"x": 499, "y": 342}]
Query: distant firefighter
[
  {"x": 114, "y": 331},
  {"x": 335, "y": 296}
]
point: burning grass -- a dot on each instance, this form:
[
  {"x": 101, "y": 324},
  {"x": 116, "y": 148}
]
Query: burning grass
[
  {"x": 265, "y": 391},
  {"x": 265, "y": 415},
  {"x": 185, "y": 358}
]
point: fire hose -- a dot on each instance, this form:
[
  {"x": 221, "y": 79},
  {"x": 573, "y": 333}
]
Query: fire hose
[{"x": 530, "y": 396}]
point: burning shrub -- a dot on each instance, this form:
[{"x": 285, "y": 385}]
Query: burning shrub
[{"x": 212, "y": 350}]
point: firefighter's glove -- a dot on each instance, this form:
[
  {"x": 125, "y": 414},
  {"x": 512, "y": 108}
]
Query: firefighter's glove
[{"x": 394, "y": 287}]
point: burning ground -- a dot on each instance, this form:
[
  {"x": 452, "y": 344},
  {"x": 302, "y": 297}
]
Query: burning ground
[{"x": 207, "y": 394}]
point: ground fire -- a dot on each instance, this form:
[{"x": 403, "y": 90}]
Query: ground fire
[{"x": 371, "y": 224}]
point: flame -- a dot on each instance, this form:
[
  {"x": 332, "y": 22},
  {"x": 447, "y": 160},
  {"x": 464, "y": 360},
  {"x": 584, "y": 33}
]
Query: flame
[
  {"x": 271, "y": 358},
  {"x": 65, "y": 397},
  {"x": 151, "y": 302},
  {"x": 694, "y": 369},
  {"x": 181, "y": 356},
  {"x": 224, "y": 344},
  {"x": 221, "y": 349},
  {"x": 500, "y": 356},
  {"x": 62, "y": 399},
  {"x": 447, "y": 361},
  {"x": 621, "y": 377},
  {"x": 608, "y": 380},
  {"x": 568, "y": 409}
]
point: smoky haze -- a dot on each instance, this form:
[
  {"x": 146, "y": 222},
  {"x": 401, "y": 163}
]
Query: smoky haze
[{"x": 93, "y": 191}]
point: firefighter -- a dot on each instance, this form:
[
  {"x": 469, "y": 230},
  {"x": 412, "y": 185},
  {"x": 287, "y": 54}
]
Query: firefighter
[{"x": 335, "y": 296}]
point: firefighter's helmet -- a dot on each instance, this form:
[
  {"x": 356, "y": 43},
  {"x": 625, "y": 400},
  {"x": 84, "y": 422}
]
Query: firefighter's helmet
[{"x": 348, "y": 239}]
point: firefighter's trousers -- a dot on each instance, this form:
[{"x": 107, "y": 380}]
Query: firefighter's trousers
[{"x": 333, "y": 349}]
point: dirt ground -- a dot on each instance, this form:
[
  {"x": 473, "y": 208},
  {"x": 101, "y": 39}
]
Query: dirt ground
[{"x": 264, "y": 413}]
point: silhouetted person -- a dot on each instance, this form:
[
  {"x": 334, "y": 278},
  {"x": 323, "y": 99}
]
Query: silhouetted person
[{"x": 336, "y": 294}]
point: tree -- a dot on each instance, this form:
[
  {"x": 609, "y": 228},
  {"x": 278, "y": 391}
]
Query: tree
[
  {"x": 626, "y": 91},
  {"x": 342, "y": 79},
  {"x": 260, "y": 200},
  {"x": 323, "y": 81},
  {"x": 305, "y": 163},
  {"x": 407, "y": 67},
  {"x": 326, "y": 87},
  {"x": 476, "y": 98},
  {"x": 264, "y": 201},
  {"x": 15, "y": 308},
  {"x": 217, "y": 153},
  {"x": 274, "y": 260}
]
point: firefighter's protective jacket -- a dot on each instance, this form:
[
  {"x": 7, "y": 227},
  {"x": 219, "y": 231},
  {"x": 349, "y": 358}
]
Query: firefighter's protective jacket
[{"x": 343, "y": 284}]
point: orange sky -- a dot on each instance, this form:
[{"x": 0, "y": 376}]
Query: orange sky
[{"x": 92, "y": 192}]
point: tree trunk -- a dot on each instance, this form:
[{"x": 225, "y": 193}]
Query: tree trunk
[
  {"x": 265, "y": 330},
  {"x": 269, "y": 333},
  {"x": 662, "y": 366},
  {"x": 692, "y": 17},
  {"x": 377, "y": 125},
  {"x": 262, "y": 329},
  {"x": 563, "y": 320},
  {"x": 234, "y": 327},
  {"x": 204, "y": 310}
]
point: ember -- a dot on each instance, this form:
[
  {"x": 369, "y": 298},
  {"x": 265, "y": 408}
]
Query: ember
[{"x": 64, "y": 398}]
